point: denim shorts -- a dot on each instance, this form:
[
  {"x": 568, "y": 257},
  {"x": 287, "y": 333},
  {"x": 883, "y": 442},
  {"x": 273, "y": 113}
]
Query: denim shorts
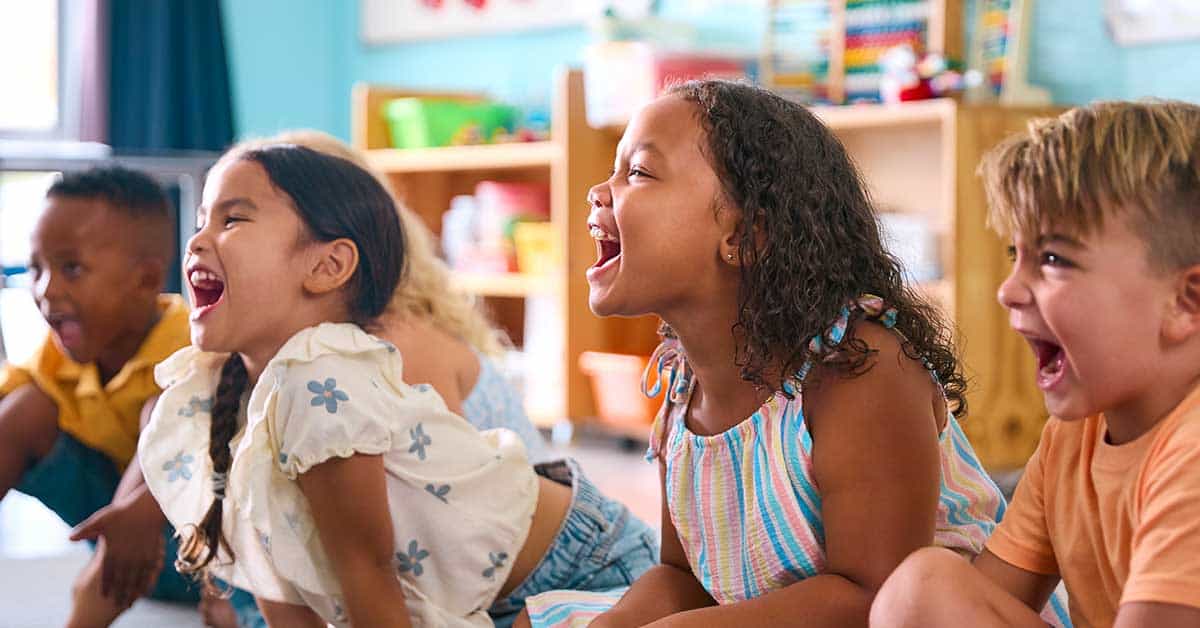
[
  {"x": 600, "y": 545},
  {"x": 74, "y": 481}
]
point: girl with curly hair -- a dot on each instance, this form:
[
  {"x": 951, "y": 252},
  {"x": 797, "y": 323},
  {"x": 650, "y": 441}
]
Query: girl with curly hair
[{"x": 809, "y": 439}]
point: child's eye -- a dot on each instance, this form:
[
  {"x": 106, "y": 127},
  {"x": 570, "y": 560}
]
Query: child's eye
[
  {"x": 635, "y": 171},
  {"x": 1050, "y": 258},
  {"x": 229, "y": 220},
  {"x": 72, "y": 269}
]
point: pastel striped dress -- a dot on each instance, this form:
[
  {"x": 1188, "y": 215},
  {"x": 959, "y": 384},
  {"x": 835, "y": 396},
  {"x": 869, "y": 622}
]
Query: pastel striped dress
[{"x": 745, "y": 504}]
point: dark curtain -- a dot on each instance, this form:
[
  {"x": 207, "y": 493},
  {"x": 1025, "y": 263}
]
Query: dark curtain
[{"x": 169, "y": 79}]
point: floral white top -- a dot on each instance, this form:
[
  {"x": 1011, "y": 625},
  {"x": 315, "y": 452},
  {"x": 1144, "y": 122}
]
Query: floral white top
[{"x": 461, "y": 500}]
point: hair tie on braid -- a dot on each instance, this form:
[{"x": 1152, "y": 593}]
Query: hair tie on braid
[{"x": 218, "y": 484}]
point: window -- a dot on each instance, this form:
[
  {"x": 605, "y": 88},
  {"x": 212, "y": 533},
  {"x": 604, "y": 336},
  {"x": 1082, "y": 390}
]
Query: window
[{"x": 43, "y": 46}]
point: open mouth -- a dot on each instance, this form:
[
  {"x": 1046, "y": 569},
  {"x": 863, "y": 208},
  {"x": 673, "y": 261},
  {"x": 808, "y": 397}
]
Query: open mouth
[
  {"x": 207, "y": 290},
  {"x": 67, "y": 328},
  {"x": 1051, "y": 358},
  {"x": 608, "y": 245}
]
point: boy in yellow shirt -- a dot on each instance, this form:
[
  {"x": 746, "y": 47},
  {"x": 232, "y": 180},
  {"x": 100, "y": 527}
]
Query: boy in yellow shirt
[
  {"x": 70, "y": 417},
  {"x": 1103, "y": 206}
]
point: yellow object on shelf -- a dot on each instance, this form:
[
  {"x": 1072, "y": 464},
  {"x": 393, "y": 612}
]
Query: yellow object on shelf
[{"x": 536, "y": 250}]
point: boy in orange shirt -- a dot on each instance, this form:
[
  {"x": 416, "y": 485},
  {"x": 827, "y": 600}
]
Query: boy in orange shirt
[
  {"x": 70, "y": 417},
  {"x": 1103, "y": 206}
]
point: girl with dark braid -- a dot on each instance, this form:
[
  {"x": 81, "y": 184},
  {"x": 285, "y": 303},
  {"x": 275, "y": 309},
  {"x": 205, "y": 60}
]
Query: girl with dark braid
[{"x": 298, "y": 464}]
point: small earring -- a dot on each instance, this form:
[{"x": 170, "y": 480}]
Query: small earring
[{"x": 729, "y": 256}]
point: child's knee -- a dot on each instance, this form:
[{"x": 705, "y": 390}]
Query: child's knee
[
  {"x": 918, "y": 586},
  {"x": 28, "y": 422}
]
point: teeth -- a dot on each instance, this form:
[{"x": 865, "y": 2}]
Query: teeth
[
  {"x": 600, "y": 234},
  {"x": 197, "y": 275}
]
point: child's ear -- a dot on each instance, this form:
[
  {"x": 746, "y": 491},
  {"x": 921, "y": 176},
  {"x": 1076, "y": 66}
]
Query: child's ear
[
  {"x": 1183, "y": 320},
  {"x": 730, "y": 223},
  {"x": 152, "y": 275},
  {"x": 331, "y": 265}
]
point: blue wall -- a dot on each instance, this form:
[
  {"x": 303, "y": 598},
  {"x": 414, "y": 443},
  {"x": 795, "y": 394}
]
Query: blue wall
[
  {"x": 287, "y": 60},
  {"x": 293, "y": 62},
  {"x": 1073, "y": 55}
]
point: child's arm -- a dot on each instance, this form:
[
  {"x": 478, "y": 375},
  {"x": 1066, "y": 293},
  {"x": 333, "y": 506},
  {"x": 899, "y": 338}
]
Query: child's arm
[
  {"x": 1138, "y": 614},
  {"x": 664, "y": 589},
  {"x": 1032, "y": 589},
  {"x": 283, "y": 614},
  {"x": 877, "y": 463},
  {"x": 349, "y": 503},
  {"x": 132, "y": 528}
]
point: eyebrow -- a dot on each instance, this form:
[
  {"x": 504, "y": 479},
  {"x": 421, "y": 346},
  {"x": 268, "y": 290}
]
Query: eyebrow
[
  {"x": 228, "y": 203},
  {"x": 1058, "y": 238},
  {"x": 648, "y": 146}
]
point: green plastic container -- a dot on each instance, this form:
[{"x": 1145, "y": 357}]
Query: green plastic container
[{"x": 424, "y": 123}]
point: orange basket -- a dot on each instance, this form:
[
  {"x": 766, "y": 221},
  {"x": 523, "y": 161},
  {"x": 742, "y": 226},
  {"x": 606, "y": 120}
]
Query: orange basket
[{"x": 617, "y": 388}]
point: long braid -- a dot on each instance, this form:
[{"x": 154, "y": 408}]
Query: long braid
[{"x": 197, "y": 552}]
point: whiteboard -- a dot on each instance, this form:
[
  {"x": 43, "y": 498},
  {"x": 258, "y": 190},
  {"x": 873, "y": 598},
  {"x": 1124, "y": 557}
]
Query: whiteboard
[{"x": 389, "y": 21}]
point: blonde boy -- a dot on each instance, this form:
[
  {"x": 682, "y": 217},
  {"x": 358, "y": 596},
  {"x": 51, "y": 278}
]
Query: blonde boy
[{"x": 1103, "y": 208}]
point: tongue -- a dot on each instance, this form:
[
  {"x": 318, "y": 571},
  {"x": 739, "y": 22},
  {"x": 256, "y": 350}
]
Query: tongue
[
  {"x": 70, "y": 333},
  {"x": 1051, "y": 362}
]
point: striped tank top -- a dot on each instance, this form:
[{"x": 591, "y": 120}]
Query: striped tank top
[{"x": 744, "y": 502}]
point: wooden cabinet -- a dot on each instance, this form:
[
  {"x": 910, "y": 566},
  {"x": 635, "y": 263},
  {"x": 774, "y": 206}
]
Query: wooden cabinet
[
  {"x": 917, "y": 157},
  {"x": 921, "y": 157}
]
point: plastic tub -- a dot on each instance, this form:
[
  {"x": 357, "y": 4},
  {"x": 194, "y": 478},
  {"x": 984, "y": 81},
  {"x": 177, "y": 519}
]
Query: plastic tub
[
  {"x": 536, "y": 251},
  {"x": 617, "y": 388},
  {"x": 425, "y": 123}
]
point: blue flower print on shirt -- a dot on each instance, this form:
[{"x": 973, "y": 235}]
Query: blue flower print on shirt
[
  {"x": 327, "y": 394},
  {"x": 412, "y": 560},
  {"x": 419, "y": 441},
  {"x": 178, "y": 467},
  {"x": 497, "y": 559},
  {"x": 438, "y": 491},
  {"x": 196, "y": 404}
]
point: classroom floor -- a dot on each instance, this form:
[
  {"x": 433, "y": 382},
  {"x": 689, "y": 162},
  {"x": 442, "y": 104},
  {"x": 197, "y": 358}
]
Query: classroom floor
[{"x": 38, "y": 564}]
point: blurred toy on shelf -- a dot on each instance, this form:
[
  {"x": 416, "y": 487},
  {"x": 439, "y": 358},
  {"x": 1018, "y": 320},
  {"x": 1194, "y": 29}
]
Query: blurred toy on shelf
[
  {"x": 620, "y": 76},
  {"x": 872, "y": 27},
  {"x": 905, "y": 77},
  {"x": 798, "y": 51},
  {"x": 480, "y": 231}
]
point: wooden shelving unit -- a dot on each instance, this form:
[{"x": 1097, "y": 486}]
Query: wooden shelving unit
[
  {"x": 916, "y": 157},
  {"x": 449, "y": 158},
  {"x": 515, "y": 285}
]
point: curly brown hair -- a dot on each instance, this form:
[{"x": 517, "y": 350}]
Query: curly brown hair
[{"x": 809, "y": 242}]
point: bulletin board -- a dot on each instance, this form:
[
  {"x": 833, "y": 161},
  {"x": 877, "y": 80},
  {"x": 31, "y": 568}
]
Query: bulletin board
[{"x": 390, "y": 21}]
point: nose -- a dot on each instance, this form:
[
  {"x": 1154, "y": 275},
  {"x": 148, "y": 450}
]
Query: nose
[
  {"x": 599, "y": 196},
  {"x": 47, "y": 286},
  {"x": 198, "y": 242},
  {"x": 1013, "y": 292}
]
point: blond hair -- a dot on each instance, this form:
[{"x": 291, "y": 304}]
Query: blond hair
[
  {"x": 1139, "y": 161},
  {"x": 425, "y": 292}
]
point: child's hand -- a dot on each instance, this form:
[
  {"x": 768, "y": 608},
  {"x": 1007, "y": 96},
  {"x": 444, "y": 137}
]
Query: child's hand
[{"x": 132, "y": 551}]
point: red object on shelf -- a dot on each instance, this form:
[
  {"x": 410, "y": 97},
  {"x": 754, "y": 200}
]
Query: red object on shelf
[
  {"x": 511, "y": 198},
  {"x": 617, "y": 388}
]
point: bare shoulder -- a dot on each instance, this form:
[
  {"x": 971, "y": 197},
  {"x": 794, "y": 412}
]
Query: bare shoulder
[
  {"x": 432, "y": 356},
  {"x": 889, "y": 385}
]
